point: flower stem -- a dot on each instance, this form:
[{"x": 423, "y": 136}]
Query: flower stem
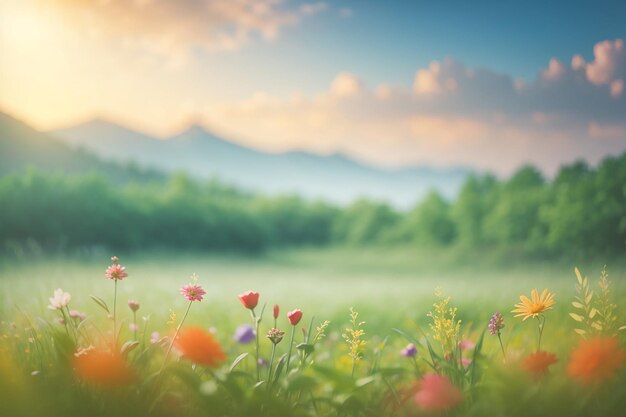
[
  {"x": 169, "y": 349},
  {"x": 293, "y": 332},
  {"x": 135, "y": 324},
  {"x": 541, "y": 324},
  {"x": 502, "y": 347},
  {"x": 256, "y": 326},
  {"x": 65, "y": 320},
  {"x": 353, "y": 366},
  {"x": 114, "y": 314},
  {"x": 269, "y": 372}
]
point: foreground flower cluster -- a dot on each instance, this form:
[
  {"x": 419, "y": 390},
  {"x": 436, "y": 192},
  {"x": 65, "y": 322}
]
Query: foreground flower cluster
[{"x": 289, "y": 367}]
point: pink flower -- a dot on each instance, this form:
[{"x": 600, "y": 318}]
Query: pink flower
[
  {"x": 115, "y": 259},
  {"x": 116, "y": 272},
  {"x": 133, "y": 305},
  {"x": 466, "y": 344},
  {"x": 437, "y": 393},
  {"x": 133, "y": 327},
  {"x": 192, "y": 292},
  {"x": 75, "y": 314},
  {"x": 294, "y": 316},
  {"x": 155, "y": 337},
  {"x": 249, "y": 299},
  {"x": 276, "y": 311},
  {"x": 59, "y": 300}
]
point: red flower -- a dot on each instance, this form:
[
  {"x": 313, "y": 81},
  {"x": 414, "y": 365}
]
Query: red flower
[
  {"x": 437, "y": 393},
  {"x": 294, "y": 316},
  {"x": 249, "y": 299},
  {"x": 276, "y": 311}
]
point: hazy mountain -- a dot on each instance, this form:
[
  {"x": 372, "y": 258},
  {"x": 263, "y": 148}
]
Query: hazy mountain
[
  {"x": 22, "y": 147},
  {"x": 203, "y": 154}
]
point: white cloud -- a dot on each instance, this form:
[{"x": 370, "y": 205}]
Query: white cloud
[
  {"x": 452, "y": 115},
  {"x": 609, "y": 63},
  {"x": 346, "y": 84},
  {"x": 167, "y": 26},
  {"x": 555, "y": 70}
]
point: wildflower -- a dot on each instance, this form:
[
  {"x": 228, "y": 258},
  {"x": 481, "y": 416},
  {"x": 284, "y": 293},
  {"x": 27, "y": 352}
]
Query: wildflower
[
  {"x": 200, "y": 347},
  {"x": 354, "y": 338},
  {"x": 444, "y": 324},
  {"x": 496, "y": 324},
  {"x": 115, "y": 259},
  {"x": 83, "y": 351},
  {"x": 249, "y": 299},
  {"x": 538, "y": 363},
  {"x": 75, "y": 314},
  {"x": 294, "y": 316},
  {"x": 409, "y": 351},
  {"x": 596, "y": 359},
  {"x": 466, "y": 344},
  {"x": 536, "y": 305},
  {"x": 133, "y": 305},
  {"x": 192, "y": 292},
  {"x": 275, "y": 335},
  {"x": 116, "y": 272},
  {"x": 276, "y": 311},
  {"x": 59, "y": 300},
  {"x": 244, "y": 334},
  {"x": 104, "y": 368},
  {"x": 437, "y": 393},
  {"x": 155, "y": 337}
]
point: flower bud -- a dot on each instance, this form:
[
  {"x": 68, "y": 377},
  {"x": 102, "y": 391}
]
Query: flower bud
[
  {"x": 249, "y": 299},
  {"x": 134, "y": 305},
  {"x": 294, "y": 316}
]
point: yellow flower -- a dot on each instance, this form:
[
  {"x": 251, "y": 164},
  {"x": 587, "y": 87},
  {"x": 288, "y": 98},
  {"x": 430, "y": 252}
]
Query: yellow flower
[{"x": 535, "y": 305}]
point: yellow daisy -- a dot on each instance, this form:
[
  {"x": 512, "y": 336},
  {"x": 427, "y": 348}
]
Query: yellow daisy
[{"x": 532, "y": 307}]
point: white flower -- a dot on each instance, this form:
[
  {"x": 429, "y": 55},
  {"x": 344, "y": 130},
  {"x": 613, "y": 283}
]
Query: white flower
[{"x": 59, "y": 300}]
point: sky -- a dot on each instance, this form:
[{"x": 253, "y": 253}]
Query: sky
[{"x": 486, "y": 84}]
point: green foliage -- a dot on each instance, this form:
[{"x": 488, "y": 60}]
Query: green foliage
[
  {"x": 429, "y": 223},
  {"x": 581, "y": 213}
]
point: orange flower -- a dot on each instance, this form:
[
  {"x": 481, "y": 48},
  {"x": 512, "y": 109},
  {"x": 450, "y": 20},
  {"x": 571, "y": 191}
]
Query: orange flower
[
  {"x": 538, "y": 363},
  {"x": 104, "y": 368},
  {"x": 199, "y": 346},
  {"x": 596, "y": 359}
]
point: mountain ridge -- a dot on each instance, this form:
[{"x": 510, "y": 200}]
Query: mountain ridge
[{"x": 201, "y": 153}]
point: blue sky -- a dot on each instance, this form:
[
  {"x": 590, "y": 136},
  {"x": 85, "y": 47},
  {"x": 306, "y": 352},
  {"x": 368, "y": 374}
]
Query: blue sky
[
  {"x": 491, "y": 84},
  {"x": 385, "y": 41}
]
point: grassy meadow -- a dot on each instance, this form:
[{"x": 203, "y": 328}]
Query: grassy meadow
[
  {"x": 389, "y": 283},
  {"x": 389, "y": 287}
]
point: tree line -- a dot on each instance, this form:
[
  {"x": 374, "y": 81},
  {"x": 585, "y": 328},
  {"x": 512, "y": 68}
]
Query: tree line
[{"x": 582, "y": 211}]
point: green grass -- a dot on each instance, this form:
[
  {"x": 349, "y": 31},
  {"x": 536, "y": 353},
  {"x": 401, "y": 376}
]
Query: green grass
[{"x": 391, "y": 288}]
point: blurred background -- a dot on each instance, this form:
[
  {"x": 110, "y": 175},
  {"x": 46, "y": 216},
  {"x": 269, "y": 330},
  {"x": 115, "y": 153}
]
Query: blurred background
[{"x": 379, "y": 149}]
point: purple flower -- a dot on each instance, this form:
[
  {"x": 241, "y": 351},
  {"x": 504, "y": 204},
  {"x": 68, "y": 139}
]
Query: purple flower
[
  {"x": 496, "y": 324},
  {"x": 409, "y": 351},
  {"x": 244, "y": 334}
]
